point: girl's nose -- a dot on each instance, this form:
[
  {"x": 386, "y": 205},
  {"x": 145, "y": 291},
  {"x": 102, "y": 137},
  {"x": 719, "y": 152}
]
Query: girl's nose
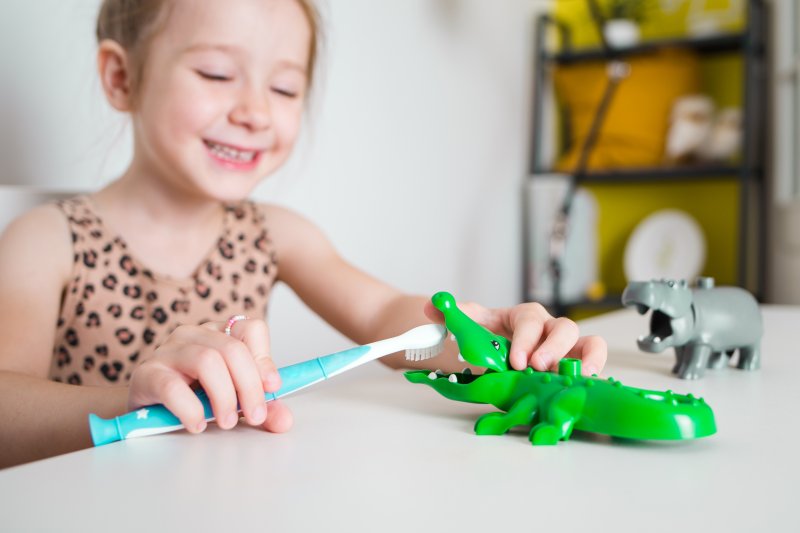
[{"x": 252, "y": 111}]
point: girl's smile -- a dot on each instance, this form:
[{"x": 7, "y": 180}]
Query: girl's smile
[{"x": 233, "y": 157}]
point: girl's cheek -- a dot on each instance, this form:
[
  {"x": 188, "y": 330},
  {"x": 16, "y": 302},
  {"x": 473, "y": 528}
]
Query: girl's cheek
[{"x": 290, "y": 119}]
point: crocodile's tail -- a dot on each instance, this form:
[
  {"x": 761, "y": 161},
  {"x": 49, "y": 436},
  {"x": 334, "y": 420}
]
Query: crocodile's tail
[{"x": 614, "y": 409}]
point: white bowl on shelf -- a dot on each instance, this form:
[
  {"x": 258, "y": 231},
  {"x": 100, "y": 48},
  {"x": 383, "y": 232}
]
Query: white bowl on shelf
[{"x": 669, "y": 244}]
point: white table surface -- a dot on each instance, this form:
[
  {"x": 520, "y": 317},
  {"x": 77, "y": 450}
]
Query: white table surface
[{"x": 372, "y": 452}]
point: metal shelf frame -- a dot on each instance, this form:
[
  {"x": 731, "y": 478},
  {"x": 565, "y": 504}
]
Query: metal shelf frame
[{"x": 751, "y": 43}]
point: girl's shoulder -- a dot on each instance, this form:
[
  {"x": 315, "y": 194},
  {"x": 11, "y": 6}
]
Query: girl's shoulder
[
  {"x": 292, "y": 234},
  {"x": 38, "y": 237},
  {"x": 287, "y": 224},
  {"x": 43, "y": 227}
]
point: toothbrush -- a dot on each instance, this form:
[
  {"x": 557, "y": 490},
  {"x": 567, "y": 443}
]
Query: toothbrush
[{"x": 422, "y": 342}]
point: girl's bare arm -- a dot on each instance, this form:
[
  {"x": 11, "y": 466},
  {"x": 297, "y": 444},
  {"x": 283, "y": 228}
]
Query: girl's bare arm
[{"x": 38, "y": 417}]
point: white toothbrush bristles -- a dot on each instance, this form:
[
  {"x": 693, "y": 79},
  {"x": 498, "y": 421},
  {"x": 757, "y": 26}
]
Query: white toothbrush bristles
[{"x": 435, "y": 344}]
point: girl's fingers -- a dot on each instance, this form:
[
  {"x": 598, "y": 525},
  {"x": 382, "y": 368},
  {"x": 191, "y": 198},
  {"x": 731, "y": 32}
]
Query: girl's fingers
[
  {"x": 243, "y": 370},
  {"x": 181, "y": 401},
  {"x": 207, "y": 365},
  {"x": 527, "y": 334},
  {"x": 593, "y": 351},
  {"x": 154, "y": 383},
  {"x": 561, "y": 336},
  {"x": 280, "y": 418},
  {"x": 255, "y": 335},
  {"x": 433, "y": 314}
]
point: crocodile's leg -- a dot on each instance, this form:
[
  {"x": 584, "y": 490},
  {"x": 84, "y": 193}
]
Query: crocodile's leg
[
  {"x": 560, "y": 417},
  {"x": 749, "y": 358},
  {"x": 695, "y": 361},
  {"x": 520, "y": 414}
]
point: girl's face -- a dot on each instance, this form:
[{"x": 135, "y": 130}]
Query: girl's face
[{"x": 222, "y": 94}]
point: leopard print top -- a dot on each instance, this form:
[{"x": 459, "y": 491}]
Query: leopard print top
[{"x": 115, "y": 311}]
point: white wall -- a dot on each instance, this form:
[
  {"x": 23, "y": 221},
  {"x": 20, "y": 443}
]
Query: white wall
[
  {"x": 784, "y": 274},
  {"x": 412, "y": 161}
]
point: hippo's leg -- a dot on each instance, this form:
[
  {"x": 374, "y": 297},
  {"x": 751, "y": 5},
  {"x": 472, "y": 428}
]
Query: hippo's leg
[
  {"x": 718, "y": 360},
  {"x": 749, "y": 358},
  {"x": 520, "y": 414},
  {"x": 695, "y": 361},
  {"x": 558, "y": 420},
  {"x": 680, "y": 360}
]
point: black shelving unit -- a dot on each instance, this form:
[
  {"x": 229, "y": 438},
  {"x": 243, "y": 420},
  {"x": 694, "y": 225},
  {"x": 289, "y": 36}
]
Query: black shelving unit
[{"x": 750, "y": 172}]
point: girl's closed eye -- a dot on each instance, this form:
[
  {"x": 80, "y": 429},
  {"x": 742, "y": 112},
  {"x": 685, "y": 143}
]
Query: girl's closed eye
[
  {"x": 213, "y": 76},
  {"x": 285, "y": 91}
]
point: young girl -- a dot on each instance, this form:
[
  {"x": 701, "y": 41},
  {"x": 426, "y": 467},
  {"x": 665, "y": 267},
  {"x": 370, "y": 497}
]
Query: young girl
[{"x": 139, "y": 292}]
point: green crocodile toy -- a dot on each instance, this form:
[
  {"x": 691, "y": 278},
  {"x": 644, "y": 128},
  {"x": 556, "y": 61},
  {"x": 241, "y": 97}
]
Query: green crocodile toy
[{"x": 557, "y": 403}]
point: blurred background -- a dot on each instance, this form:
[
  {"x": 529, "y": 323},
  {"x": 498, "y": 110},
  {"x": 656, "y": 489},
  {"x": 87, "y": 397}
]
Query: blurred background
[{"x": 445, "y": 135}]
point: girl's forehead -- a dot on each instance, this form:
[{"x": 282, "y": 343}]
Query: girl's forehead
[{"x": 255, "y": 27}]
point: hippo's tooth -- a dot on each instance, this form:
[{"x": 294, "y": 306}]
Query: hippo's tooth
[
  {"x": 461, "y": 358},
  {"x": 641, "y": 338},
  {"x": 467, "y": 371},
  {"x": 656, "y": 339},
  {"x": 452, "y": 378},
  {"x": 432, "y": 375},
  {"x": 642, "y": 308}
]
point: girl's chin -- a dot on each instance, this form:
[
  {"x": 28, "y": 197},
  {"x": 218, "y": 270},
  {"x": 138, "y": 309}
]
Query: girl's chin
[{"x": 227, "y": 192}]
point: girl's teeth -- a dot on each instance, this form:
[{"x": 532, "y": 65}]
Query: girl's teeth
[{"x": 231, "y": 154}]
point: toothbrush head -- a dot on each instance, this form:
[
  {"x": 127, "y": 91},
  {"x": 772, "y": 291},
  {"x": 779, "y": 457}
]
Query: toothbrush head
[{"x": 424, "y": 342}]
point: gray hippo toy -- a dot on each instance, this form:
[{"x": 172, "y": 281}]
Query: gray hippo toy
[{"x": 704, "y": 324}]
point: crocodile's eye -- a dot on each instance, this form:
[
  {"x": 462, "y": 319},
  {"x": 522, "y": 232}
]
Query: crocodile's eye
[{"x": 496, "y": 345}]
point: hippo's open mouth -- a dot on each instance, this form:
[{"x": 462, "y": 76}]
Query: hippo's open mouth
[{"x": 660, "y": 330}]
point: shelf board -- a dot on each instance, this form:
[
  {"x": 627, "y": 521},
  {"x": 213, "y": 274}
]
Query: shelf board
[
  {"x": 729, "y": 42},
  {"x": 721, "y": 172}
]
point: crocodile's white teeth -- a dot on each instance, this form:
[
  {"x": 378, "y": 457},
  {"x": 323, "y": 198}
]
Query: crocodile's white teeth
[
  {"x": 439, "y": 372},
  {"x": 432, "y": 375},
  {"x": 452, "y": 337},
  {"x": 461, "y": 358},
  {"x": 452, "y": 378}
]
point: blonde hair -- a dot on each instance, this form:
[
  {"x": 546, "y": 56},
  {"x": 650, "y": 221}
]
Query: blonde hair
[{"x": 134, "y": 23}]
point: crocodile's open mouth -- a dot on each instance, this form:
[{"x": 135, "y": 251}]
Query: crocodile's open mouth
[
  {"x": 456, "y": 378},
  {"x": 462, "y": 378}
]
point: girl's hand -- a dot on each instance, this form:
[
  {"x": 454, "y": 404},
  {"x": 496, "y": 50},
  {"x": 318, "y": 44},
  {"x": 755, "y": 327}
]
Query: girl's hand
[
  {"x": 230, "y": 368},
  {"x": 537, "y": 338}
]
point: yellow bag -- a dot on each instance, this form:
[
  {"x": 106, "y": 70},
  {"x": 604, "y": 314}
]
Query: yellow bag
[{"x": 636, "y": 124}]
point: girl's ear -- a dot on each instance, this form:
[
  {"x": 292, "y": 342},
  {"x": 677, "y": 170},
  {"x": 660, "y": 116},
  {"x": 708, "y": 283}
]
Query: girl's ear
[{"x": 115, "y": 74}]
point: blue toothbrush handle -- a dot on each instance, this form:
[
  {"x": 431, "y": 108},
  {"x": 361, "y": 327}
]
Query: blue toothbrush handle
[{"x": 155, "y": 419}]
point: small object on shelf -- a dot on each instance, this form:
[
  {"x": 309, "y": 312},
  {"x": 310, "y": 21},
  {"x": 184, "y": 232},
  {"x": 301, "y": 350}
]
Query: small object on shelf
[
  {"x": 691, "y": 124},
  {"x": 596, "y": 291},
  {"x": 621, "y": 22},
  {"x": 705, "y": 325},
  {"x": 724, "y": 141},
  {"x": 667, "y": 244},
  {"x": 621, "y": 33},
  {"x": 556, "y": 403}
]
